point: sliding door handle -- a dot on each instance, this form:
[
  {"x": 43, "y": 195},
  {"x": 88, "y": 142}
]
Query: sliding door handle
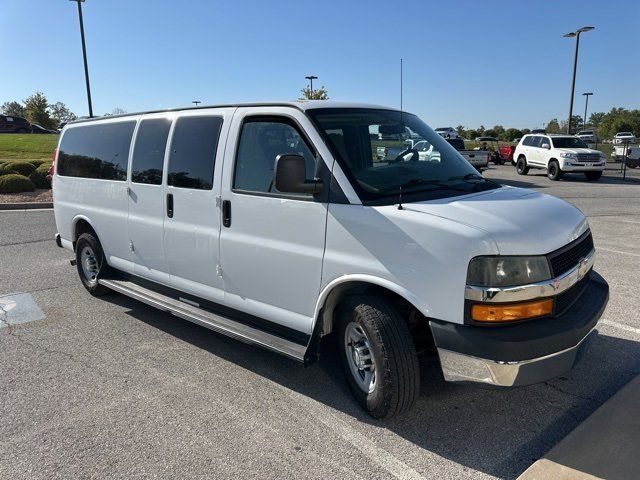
[
  {"x": 170, "y": 205},
  {"x": 226, "y": 213}
]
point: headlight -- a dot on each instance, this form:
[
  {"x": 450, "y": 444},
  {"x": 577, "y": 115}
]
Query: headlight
[
  {"x": 567, "y": 155},
  {"x": 506, "y": 271}
]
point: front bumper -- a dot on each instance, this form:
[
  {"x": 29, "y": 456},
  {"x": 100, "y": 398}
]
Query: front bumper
[
  {"x": 525, "y": 353},
  {"x": 583, "y": 167}
]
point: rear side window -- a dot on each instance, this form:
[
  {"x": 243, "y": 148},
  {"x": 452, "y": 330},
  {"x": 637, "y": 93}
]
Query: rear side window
[
  {"x": 193, "y": 152},
  {"x": 148, "y": 151},
  {"x": 96, "y": 151}
]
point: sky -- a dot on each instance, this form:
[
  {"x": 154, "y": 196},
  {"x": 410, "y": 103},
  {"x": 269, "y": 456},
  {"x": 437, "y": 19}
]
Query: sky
[{"x": 465, "y": 62}]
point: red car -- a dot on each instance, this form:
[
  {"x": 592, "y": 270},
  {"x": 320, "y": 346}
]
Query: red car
[{"x": 506, "y": 153}]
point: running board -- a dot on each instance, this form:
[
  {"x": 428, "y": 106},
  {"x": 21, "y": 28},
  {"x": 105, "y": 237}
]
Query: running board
[{"x": 217, "y": 323}]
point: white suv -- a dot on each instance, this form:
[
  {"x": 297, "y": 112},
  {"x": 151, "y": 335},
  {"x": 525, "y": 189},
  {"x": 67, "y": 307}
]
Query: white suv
[
  {"x": 447, "y": 132},
  {"x": 558, "y": 154}
]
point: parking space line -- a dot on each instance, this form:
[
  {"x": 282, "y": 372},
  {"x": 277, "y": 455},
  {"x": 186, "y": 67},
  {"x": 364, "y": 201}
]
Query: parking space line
[
  {"x": 619, "y": 251},
  {"x": 620, "y": 326}
]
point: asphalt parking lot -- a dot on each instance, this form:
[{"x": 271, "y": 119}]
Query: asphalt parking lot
[{"x": 111, "y": 388}]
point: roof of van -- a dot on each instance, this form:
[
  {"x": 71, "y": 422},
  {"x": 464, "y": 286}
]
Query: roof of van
[{"x": 302, "y": 105}]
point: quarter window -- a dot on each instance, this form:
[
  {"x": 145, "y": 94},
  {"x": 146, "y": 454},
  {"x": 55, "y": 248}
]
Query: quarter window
[
  {"x": 148, "y": 151},
  {"x": 96, "y": 151},
  {"x": 261, "y": 141},
  {"x": 193, "y": 152}
]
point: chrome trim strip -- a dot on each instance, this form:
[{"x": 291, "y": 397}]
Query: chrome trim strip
[
  {"x": 458, "y": 367},
  {"x": 546, "y": 288}
]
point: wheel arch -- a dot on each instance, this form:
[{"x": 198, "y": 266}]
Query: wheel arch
[{"x": 81, "y": 224}]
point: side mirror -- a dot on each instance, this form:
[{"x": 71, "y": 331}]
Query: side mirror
[
  {"x": 546, "y": 146},
  {"x": 290, "y": 175}
]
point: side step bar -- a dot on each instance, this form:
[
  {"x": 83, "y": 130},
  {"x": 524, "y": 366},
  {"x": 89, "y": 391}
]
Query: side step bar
[{"x": 231, "y": 328}]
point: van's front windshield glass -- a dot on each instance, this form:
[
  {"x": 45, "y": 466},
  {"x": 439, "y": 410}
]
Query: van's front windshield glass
[{"x": 387, "y": 153}]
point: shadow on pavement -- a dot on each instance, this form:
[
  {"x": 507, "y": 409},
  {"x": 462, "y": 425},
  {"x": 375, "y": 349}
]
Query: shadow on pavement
[{"x": 499, "y": 432}]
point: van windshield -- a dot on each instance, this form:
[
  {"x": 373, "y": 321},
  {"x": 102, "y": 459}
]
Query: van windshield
[{"x": 387, "y": 153}]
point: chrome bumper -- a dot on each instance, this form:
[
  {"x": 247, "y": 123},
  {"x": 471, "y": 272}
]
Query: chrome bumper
[{"x": 458, "y": 367}]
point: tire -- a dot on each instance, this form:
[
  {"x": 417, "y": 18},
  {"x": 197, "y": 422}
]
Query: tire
[
  {"x": 553, "y": 170},
  {"x": 593, "y": 176},
  {"x": 21, "y": 130},
  {"x": 521, "y": 166},
  {"x": 91, "y": 264},
  {"x": 385, "y": 346}
]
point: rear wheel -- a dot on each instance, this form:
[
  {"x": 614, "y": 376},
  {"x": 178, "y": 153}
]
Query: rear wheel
[
  {"x": 593, "y": 176},
  {"x": 91, "y": 264},
  {"x": 553, "y": 170},
  {"x": 378, "y": 356},
  {"x": 521, "y": 166}
]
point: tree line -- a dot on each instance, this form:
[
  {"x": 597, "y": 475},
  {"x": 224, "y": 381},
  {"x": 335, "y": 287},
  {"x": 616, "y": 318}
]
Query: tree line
[
  {"x": 606, "y": 125},
  {"x": 37, "y": 109}
]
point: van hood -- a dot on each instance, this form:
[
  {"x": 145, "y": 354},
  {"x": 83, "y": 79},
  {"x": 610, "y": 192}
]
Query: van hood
[{"x": 520, "y": 221}]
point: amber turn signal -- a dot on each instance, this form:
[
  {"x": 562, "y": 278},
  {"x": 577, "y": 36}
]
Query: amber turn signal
[{"x": 511, "y": 312}]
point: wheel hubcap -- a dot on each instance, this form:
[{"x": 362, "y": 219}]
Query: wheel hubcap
[
  {"x": 89, "y": 263},
  {"x": 360, "y": 357}
]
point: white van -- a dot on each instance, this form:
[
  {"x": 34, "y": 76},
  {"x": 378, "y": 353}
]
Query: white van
[{"x": 277, "y": 224}]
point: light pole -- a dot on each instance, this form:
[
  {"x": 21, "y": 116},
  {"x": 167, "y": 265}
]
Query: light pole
[
  {"x": 196, "y": 102},
  {"x": 84, "y": 56},
  {"x": 586, "y": 104},
  {"x": 311, "y": 78},
  {"x": 575, "y": 34}
]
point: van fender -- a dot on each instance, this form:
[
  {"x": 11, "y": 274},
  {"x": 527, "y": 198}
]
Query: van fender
[
  {"x": 74, "y": 224},
  {"x": 331, "y": 294}
]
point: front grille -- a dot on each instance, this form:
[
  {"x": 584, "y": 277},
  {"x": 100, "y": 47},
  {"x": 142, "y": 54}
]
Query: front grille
[
  {"x": 566, "y": 298},
  {"x": 567, "y": 257},
  {"x": 588, "y": 157}
]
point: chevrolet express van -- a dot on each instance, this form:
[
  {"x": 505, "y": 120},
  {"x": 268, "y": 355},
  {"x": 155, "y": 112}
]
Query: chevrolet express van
[{"x": 277, "y": 224}]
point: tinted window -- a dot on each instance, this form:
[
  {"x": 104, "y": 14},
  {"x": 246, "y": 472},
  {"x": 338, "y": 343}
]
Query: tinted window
[
  {"x": 96, "y": 151},
  {"x": 148, "y": 151},
  {"x": 260, "y": 143},
  {"x": 536, "y": 141},
  {"x": 569, "y": 142},
  {"x": 193, "y": 152}
]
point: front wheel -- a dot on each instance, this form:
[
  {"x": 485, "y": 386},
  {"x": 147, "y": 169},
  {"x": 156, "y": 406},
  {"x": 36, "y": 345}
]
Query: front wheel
[
  {"x": 91, "y": 264},
  {"x": 593, "y": 176},
  {"x": 553, "y": 171},
  {"x": 378, "y": 356}
]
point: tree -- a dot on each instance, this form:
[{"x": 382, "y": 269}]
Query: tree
[
  {"x": 317, "y": 94},
  {"x": 460, "y": 130},
  {"x": 118, "y": 111},
  {"x": 13, "y": 108},
  {"x": 471, "y": 134},
  {"x": 61, "y": 114},
  {"x": 576, "y": 123},
  {"x": 37, "y": 110},
  {"x": 553, "y": 126},
  {"x": 595, "y": 118},
  {"x": 510, "y": 134}
]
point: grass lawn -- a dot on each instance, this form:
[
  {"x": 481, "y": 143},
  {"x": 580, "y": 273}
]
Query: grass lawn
[{"x": 27, "y": 146}]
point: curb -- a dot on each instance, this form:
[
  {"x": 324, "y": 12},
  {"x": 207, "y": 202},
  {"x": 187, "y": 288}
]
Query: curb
[
  {"x": 25, "y": 206},
  {"x": 605, "y": 445}
]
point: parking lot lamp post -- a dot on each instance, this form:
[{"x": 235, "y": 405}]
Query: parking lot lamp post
[
  {"x": 311, "y": 78},
  {"x": 586, "y": 104},
  {"x": 575, "y": 34},
  {"x": 84, "y": 56}
]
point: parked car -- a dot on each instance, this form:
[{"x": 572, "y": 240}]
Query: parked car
[
  {"x": 12, "y": 124},
  {"x": 210, "y": 214},
  {"x": 478, "y": 159},
  {"x": 491, "y": 145},
  {"x": 624, "y": 137},
  {"x": 587, "y": 136},
  {"x": 447, "y": 132},
  {"x": 630, "y": 154},
  {"x": 506, "y": 153},
  {"x": 40, "y": 129},
  {"x": 558, "y": 154}
]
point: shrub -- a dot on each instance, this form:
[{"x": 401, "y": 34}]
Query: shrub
[
  {"x": 39, "y": 179},
  {"x": 23, "y": 168},
  {"x": 6, "y": 171},
  {"x": 44, "y": 168},
  {"x": 13, "y": 183},
  {"x": 37, "y": 163}
]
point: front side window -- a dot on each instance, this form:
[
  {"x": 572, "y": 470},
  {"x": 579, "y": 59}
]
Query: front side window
[
  {"x": 193, "y": 152},
  {"x": 261, "y": 141},
  {"x": 569, "y": 142},
  {"x": 148, "y": 151},
  {"x": 387, "y": 154},
  {"x": 536, "y": 141},
  {"x": 96, "y": 151}
]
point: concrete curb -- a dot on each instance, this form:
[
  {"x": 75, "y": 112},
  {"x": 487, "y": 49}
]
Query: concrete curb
[
  {"x": 605, "y": 445},
  {"x": 25, "y": 206}
]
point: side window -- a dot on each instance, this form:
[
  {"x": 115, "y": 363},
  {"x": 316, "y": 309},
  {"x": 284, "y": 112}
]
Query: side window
[
  {"x": 193, "y": 152},
  {"x": 261, "y": 141},
  {"x": 96, "y": 151},
  {"x": 148, "y": 151},
  {"x": 536, "y": 141}
]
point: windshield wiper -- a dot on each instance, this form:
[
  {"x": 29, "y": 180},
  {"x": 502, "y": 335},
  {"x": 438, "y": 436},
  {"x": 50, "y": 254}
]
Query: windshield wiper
[
  {"x": 472, "y": 176},
  {"x": 416, "y": 182}
]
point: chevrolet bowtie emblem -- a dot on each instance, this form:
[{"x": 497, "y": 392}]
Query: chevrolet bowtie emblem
[{"x": 582, "y": 268}]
